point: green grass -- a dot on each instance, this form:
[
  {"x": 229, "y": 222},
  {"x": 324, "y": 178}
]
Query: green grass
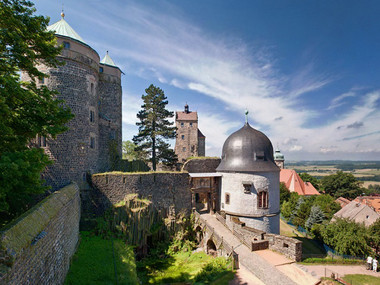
[
  {"x": 360, "y": 279},
  {"x": 93, "y": 262},
  {"x": 184, "y": 267},
  {"x": 329, "y": 260}
]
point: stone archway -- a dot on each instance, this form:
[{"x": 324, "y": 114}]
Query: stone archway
[
  {"x": 199, "y": 233},
  {"x": 211, "y": 248}
]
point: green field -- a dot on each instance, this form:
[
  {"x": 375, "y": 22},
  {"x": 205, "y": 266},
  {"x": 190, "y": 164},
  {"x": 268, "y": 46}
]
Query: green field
[{"x": 366, "y": 171}]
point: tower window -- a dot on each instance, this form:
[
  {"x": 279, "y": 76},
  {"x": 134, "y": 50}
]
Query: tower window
[
  {"x": 184, "y": 149},
  {"x": 101, "y": 69},
  {"x": 227, "y": 198},
  {"x": 92, "y": 88},
  {"x": 41, "y": 141},
  {"x": 182, "y": 124},
  {"x": 191, "y": 124},
  {"x": 66, "y": 45},
  {"x": 92, "y": 116},
  {"x": 92, "y": 142},
  {"x": 262, "y": 200},
  {"x": 183, "y": 137}
]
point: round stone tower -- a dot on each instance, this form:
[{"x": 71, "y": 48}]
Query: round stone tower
[
  {"x": 79, "y": 83},
  {"x": 250, "y": 180}
]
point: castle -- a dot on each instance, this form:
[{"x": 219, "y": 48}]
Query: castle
[{"x": 91, "y": 88}]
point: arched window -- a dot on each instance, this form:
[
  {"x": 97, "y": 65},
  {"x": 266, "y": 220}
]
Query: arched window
[{"x": 262, "y": 200}]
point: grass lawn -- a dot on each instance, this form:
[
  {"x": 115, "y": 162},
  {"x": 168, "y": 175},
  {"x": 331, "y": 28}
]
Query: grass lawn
[
  {"x": 360, "y": 279},
  {"x": 183, "y": 267},
  {"x": 93, "y": 263}
]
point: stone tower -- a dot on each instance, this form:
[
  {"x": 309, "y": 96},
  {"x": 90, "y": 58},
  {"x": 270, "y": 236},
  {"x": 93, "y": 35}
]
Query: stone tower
[
  {"x": 279, "y": 159},
  {"x": 190, "y": 141},
  {"x": 250, "y": 188},
  {"x": 92, "y": 90}
]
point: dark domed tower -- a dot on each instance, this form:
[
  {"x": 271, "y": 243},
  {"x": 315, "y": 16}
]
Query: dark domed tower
[
  {"x": 80, "y": 84},
  {"x": 250, "y": 180}
]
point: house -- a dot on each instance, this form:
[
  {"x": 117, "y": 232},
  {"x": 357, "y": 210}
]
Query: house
[
  {"x": 358, "y": 212},
  {"x": 342, "y": 201},
  {"x": 372, "y": 201},
  {"x": 295, "y": 184}
]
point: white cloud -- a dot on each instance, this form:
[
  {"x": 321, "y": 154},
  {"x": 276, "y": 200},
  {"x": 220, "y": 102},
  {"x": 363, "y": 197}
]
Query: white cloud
[{"x": 338, "y": 101}]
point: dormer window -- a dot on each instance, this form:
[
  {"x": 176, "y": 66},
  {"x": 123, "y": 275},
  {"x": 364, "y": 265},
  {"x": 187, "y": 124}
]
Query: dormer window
[
  {"x": 66, "y": 45},
  {"x": 260, "y": 155}
]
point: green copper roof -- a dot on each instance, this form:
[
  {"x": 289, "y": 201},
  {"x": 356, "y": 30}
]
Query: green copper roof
[
  {"x": 278, "y": 155},
  {"x": 108, "y": 60},
  {"x": 62, "y": 28}
]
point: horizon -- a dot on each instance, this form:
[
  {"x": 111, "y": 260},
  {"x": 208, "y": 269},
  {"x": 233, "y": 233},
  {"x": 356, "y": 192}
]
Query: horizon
[{"x": 307, "y": 72}]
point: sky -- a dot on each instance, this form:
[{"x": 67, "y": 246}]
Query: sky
[{"x": 307, "y": 71}]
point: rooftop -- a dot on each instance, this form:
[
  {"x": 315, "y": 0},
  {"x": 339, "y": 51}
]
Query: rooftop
[
  {"x": 108, "y": 60},
  {"x": 295, "y": 184},
  {"x": 358, "y": 212},
  {"x": 62, "y": 28}
]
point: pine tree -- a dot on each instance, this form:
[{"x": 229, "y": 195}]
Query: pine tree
[
  {"x": 316, "y": 217},
  {"x": 154, "y": 127}
]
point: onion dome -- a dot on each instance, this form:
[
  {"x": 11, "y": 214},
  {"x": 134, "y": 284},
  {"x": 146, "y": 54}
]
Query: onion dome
[
  {"x": 247, "y": 150},
  {"x": 278, "y": 155}
]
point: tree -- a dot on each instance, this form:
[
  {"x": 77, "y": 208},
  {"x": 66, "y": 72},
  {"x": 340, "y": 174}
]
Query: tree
[
  {"x": 130, "y": 153},
  {"x": 346, "y": 237},
  {"x": 26, "y": 109},
  {"x": 308, "y": 178},
  {"x": 289, "y": 206},
  {"x": 154, "y": 127},
  {"x": 316, "y": 217},
  {"x": 284, "y": 193},
  {"x": 302, "y": 210},
  {"x": 327, "y": 204},
  {"x": 374, "y": 236},
  {"x": 341, "y": 184}
]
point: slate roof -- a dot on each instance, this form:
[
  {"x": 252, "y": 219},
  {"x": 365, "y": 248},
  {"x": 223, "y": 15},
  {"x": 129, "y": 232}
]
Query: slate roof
[
  {"x": 62, "y": 28},
  {"x": 190, "y": 116},
  {"x": 295, "y": 184},
  {"x": 200, "y": 135},
  {"x": 358, "y": 212}
]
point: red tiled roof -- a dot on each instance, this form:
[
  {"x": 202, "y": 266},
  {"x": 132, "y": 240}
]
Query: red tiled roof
[
  {"x": 371, "y": 201},
  {"x": 342, "y": 201},
  {"x": 295, "y": 184},
  {"x": 190, "y": 116}
]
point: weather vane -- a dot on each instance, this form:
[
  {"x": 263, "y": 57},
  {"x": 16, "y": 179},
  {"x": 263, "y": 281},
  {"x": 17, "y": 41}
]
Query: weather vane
[{"x": 246, "y": 116}]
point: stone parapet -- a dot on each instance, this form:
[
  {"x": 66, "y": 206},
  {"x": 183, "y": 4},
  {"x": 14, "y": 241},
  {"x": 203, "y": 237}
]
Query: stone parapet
[{"x": 37, "y": 247}]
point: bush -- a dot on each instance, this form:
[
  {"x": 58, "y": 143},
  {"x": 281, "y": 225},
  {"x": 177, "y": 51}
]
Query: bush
[{"x": 214, "y": 270}]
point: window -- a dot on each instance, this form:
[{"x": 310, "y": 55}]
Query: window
[
  {"x": 66, "y": 45},
  {"x": 124, "y": 180},
  {"x": 101, "y": 69},
  {"x": 41, "y": 141},
  {"x": 262, "y": 200},
  {"x": 227, "y": 198},
  {"x": 84, "y": 176},
  {"x": 112, "y": 134},
  {"x": 247, "y": 187},
  {"x": 183, "y": 137},
  {"x": 260, "y": 155},
  {"x": 92, "y": 142},
  {"x": 191, "y": 124},
  {"x": 184, "y": 149},
  {"x": 182, "y": 124},
  {"x": 92, "y": 88},
  {"x": 92, "y": 116}
]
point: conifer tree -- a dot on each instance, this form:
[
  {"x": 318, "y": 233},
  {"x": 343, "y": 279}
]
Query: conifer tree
[
  {"x": 155, "y": 128},
  {"x": 316, "y": 217}
]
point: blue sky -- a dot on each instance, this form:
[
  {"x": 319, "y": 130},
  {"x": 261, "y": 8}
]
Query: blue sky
[{"x": 307, "y": 71}]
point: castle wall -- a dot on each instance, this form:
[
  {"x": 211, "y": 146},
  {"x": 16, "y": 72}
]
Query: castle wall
[
  {"x": 164, "y": 189},
  {"x": 37, "y": 248},
  {"x": 245, "y": 205}
]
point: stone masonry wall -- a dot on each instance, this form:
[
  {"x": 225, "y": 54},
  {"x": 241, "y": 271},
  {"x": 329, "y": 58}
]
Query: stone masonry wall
[
  {"x": 37, "y": 248},
  {"x": 290, "y": 247},
  {"x": 186, "y": 143},
  {"x": 164, "y": 189}
]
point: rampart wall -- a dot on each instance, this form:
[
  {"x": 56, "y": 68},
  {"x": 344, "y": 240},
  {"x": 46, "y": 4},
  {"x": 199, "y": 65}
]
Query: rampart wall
[
  {"x": 37, "y": 247},
  {"x": 164, "y": 189}
]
